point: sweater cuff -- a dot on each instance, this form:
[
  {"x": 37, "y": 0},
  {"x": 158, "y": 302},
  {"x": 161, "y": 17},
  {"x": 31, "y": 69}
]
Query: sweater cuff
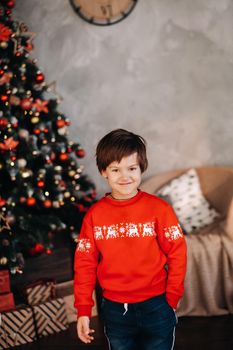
[
  {"x": 84, "y": 310},
  {"x": 172, "y": 299}
]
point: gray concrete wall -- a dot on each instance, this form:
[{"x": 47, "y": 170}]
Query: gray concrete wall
[{"x": 166, "y": 72}]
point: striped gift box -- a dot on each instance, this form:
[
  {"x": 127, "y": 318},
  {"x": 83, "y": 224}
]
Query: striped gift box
[
  {"x": 40, "y": 291},
  {"x": 65, "y": 290},
  {"x": 4, "y": 281},
  {"x": 50, "y": 317},
  {"x": 17, "y": 327}
]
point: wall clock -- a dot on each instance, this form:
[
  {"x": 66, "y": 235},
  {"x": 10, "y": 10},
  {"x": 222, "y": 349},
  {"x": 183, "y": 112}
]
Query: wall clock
[{"x": 103, "y": 12}]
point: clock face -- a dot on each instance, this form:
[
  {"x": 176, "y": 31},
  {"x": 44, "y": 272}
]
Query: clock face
[{"x": 103, "y": 12}]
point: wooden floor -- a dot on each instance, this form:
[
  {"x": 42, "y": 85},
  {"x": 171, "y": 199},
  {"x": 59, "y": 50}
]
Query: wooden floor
[{"x": 193, "y": 333}]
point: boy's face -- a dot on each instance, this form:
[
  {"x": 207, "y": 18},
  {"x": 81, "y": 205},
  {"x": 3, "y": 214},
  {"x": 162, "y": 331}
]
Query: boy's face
[{"x": 124, "y": 177}]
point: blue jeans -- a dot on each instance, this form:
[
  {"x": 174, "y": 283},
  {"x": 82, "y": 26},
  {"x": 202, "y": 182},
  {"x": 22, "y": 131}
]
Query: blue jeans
[{"x": 147, "y": 325}]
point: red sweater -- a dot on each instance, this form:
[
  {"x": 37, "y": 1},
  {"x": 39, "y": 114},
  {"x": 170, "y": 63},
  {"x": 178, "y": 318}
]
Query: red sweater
[{"x": 134, "y": 247}]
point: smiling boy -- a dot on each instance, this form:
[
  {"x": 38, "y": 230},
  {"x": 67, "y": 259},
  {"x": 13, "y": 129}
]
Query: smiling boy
[{"x": 132, "y": 243}]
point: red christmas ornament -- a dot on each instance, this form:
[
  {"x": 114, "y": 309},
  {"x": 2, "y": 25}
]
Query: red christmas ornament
[
  {"x": 81, "y": 208},
  {"x": 63, "y": 156},
  {"x": 1, "y": 72},
  {"x": 5, "y": 32},
  {"x": 14, "y": 122},
  {"x": 13, "y": 158},
  {"x": 26, "y": 103},
  {"x": 49, "y": 251},
  {"x": 47, "y": 203},
  {"x": 40, "y": 184},
  {"x": 62, "y": 184},
  {"x": 93, "y": 194},
  {"x": 2, "y": 202},
  {"x": 10, "y": 4},
  {"x": 39, "y": 77},
  {"x": 5, "y": 78},
  {"x": 3, "y": 122},
  {"x": 29, "y": 46},
  {"x": 14, "y": 100},
  {"x": 80, "y": 153},
  {"x": 18, "y": 54},
  {"x": 60, "y": 123},
  {"x": 52, "y": 156},
  {"x": 4, "y": 98},
  {"x": 87, "y": 199},
  {"x": 50, "y": 234},
  {"x": 23, "y": 199},
  {"x": 31, "y": 201},
  {"x": 38, "y": 248},
  {"x": 36, "y": 131}
]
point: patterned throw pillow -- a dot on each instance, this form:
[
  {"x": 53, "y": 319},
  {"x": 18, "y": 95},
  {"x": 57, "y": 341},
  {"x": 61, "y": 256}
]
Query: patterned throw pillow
[{"x": 192, "y": 209}]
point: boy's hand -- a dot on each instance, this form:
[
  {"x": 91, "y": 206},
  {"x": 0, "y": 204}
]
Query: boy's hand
[{"x": 83, "y": 329}]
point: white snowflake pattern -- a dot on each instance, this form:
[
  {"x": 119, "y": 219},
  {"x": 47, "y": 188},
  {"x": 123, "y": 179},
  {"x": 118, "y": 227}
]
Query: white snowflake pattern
[
  {"x": 122, "y": 230},
  {"x": 84, "y": 245},
  {"x": 148, "y": 229},
  {"x": 112, "y": 232},
  {"x": 173, "y": 233},
  {"x": 125, "y": 229},
  {"x": 132, "y": 230},
  {"x": 98, "y": 234}
]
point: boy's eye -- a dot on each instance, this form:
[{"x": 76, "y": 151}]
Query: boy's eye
[
  {"x": 134, "y": 168},
  {"x": 114, "y": 170}
]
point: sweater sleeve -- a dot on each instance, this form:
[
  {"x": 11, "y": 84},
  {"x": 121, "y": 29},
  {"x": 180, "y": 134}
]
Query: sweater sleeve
[
  {"x": 85, "y": 267},
  {"x": 173, "y": 245}
]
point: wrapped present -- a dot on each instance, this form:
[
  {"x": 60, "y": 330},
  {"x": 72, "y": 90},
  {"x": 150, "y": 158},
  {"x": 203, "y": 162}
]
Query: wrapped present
[
  {"x": 4, "y": 281},
  {"x": 50, "y": 317},
  {"x": 64, "y": 288},
  {"x": 7, "y": 302},
  {"x": 40, "y": 291},
  {"x": 66, "y": 291},
  {"x": 17, "y": 327}
]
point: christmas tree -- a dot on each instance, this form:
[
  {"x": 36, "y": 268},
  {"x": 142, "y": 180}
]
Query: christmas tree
[{"x": 43, "y": 190}]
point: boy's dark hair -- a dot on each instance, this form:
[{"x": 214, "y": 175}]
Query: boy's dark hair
[{"x": 118, "y": 144}]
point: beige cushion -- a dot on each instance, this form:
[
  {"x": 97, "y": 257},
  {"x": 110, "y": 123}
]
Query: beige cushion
[
  {"x": 229, "y": 221},
  {"x": 192, "y": 209}
]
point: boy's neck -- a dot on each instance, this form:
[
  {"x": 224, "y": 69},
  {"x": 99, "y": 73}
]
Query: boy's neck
[{"x": 122, "y": 199}]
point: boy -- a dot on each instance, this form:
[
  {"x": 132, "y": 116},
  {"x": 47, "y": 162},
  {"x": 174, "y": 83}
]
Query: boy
[{"x": 132, "y": 243}]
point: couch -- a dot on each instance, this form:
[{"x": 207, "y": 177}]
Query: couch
[{"x": 209, "y": 278}]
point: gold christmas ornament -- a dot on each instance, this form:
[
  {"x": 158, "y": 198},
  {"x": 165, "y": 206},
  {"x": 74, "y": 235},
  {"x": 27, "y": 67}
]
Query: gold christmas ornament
[
  {"x": 56, "y": 204},
  {"x": 25, "y": 173},
  {"x": 72, "y": 173},
  {"x": 35, "y": 120},
  {"x": 4, "y": 44},
  {"x": 3, "y": 260}
]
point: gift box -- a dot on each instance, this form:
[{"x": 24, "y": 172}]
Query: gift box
[
  {"x": 17, "y": 327},
  {"x": 40, "y": 291},
  {"x": 4, "y": 281},
  {"x": 66, "y": 291},
  {"x": 7, "y": 302},
  {"x": 50, "y": 317}
]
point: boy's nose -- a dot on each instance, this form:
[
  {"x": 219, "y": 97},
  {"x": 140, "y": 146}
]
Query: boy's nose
[{"x": 124, "y": 175}]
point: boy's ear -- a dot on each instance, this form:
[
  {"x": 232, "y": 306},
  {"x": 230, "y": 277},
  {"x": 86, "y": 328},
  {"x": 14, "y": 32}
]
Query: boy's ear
[{"x": 103, "y": 173}]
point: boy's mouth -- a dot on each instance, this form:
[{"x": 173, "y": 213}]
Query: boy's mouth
[{"x": 125, "y": 183}]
